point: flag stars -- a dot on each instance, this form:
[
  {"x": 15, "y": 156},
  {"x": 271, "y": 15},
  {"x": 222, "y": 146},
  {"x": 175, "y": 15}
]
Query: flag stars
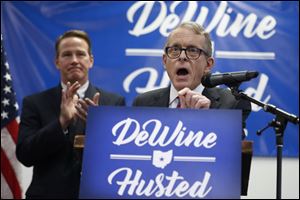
[
  {"x": 7, "y": 77},
  {"x": 16, "y": 106},
  {"x": 7, "y": 89},
  {"x": 6, "y": 65},
  {"x": 5, "y": 102},
  {"x": 8, "y": 102},
  {"x": 4, "y": 115}
]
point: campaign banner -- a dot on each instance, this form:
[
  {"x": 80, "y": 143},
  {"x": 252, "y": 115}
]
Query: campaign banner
[
  {"x": 161, "y": 153},
  {"x": 128, "y": 40}
]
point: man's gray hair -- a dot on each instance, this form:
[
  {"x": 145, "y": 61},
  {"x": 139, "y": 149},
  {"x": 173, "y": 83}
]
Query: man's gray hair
[{"x": 199, "y": 30}]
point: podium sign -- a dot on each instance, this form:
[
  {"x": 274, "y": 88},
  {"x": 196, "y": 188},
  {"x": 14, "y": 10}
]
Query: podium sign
[{"x": 136, "y": 152}]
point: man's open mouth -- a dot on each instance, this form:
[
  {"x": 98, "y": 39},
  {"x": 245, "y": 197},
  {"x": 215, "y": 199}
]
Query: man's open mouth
[{"x": 182, "y": 72}]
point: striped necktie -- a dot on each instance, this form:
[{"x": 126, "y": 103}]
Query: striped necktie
[{"x": 178, "y": 104}]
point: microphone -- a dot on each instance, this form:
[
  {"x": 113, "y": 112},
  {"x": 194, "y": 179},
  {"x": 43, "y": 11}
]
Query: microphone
[{"x": 229, "y": 78}]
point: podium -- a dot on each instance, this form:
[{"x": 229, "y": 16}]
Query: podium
[
  {"x": 247, "y": 152},
  {"x": 165, "y": 153}
]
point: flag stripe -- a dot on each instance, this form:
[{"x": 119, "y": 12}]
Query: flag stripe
[
  {"x": 6, "y": 193},
  {"x": 10, "y": 176},
  {"x": 10, "y": 167},
  {"x": 9, "y": 147},
  {"x": 13, "y": 128}
]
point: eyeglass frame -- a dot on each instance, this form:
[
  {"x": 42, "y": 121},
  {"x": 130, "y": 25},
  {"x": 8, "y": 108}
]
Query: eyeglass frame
[{"x": 185, "y": 49}]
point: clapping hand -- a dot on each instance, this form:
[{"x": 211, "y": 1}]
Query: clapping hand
[
  {"x": 67, "y": 107},
  {"x": 82, "y": 106}
]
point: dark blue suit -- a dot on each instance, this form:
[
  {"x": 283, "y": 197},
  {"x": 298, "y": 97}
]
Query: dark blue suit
[{"x": 43, "y": 144}]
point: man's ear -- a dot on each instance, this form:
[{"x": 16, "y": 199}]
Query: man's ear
[
  {"x": 92, "y": 60},
  {"x": 56, "y": 63},
  {"x": 210, "y": 63},
  {"x": 164, "y": 58}
]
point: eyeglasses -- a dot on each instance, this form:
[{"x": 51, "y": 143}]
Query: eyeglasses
[{"x": 191, "y": 53}]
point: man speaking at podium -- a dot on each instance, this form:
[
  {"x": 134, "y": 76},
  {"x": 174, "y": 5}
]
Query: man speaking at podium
[
  {"x": 50, "y": 121},
  {"x": 187, "y": 58}
]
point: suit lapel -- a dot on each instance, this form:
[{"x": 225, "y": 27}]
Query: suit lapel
[
  {"x": 90, "y": 92},
  {"x": 213, "y": 96},
  {"x": 162, "y": 99}
]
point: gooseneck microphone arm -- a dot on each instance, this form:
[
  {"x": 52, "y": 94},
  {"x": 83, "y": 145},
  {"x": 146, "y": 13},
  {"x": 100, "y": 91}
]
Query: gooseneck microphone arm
[
  {"x": 233, "y": 81},
  {"x": 279, "y": 124},
  {"x": 266, "y": 107}
]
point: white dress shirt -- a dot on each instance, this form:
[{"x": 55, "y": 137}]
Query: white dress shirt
[
  {"x": 173, "y": 100},
  {"x": 81, "y": 91}
]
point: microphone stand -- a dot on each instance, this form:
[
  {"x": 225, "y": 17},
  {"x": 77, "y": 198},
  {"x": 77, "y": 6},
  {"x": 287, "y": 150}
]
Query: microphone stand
[{"x": 278, "y": 124}]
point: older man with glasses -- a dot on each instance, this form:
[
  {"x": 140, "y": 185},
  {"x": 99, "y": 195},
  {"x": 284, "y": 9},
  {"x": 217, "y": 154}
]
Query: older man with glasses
[{"x": 187, "y": 58}]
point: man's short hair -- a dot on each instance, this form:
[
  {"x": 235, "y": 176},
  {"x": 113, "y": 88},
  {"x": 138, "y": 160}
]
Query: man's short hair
[
  {"x": 74, "y": 33},
  {"x": 197, "y": 29}
]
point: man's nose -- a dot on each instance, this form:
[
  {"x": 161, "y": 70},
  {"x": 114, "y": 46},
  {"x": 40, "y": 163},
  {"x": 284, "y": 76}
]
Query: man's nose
[
  {"x": 182, "y": 56},
  {"x": 74, "y": 59}
]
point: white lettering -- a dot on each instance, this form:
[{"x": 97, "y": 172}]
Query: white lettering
[
  {"x": 129, "y": 130},
  {"x": 162, "y": 185},
  {"x": 172, "y": 20},
  {"x": 139, "y": 28},
  {"x": 267, "y": 24},
  {"x": 126, "y": 124},
  {"x": 220, "y": 22}
]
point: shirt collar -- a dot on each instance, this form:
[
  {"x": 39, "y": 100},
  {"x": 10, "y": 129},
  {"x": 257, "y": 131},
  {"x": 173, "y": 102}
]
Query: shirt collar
[
  {"x": 81, "y": 91},
  {"x": 174, "y": 92}
]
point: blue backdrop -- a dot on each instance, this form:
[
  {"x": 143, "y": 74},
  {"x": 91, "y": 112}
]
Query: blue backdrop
[{"x": 128, "y": 38}]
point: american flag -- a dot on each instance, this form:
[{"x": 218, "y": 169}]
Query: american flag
[{"x": 10, "y": 167}]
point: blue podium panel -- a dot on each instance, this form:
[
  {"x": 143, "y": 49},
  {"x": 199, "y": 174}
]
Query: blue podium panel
[{"x": 161, "y": 153}]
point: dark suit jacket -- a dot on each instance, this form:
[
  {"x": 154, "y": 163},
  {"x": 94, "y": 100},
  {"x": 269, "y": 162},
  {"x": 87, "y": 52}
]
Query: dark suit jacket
[
  {"x": 43, "y": 144},
  {"x": 220, "y": 99}
]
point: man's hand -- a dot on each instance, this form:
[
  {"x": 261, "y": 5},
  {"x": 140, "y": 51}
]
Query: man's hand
[
  {"x": 191, "y": 99},
  {"x": 67, "y": 107},
  {"x": 82, "y": 106}
]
